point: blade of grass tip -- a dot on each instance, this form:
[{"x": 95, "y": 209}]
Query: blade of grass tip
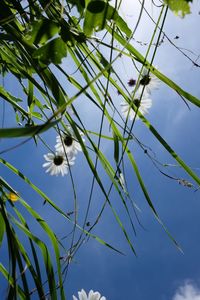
[
  {"x": 170, "y": 150},
  {"x": 142, "y": 185}
]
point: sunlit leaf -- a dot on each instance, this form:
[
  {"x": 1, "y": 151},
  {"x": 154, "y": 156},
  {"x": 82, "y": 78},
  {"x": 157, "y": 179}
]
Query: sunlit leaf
[
  {"x": 179, "y": 7},
  {"x": 98, "y": 13},
  {"x": 52, "y": 52}
]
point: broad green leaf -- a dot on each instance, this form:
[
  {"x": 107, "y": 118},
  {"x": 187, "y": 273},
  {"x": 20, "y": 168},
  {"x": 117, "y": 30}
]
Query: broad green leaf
[
  {"x": 98, "y": 12},
  {"x": 41, "y": 31},
  {"x": 26, "y": 131},
  {"x": 52, "y": 52},
  {"x": 179, "y": 7}
]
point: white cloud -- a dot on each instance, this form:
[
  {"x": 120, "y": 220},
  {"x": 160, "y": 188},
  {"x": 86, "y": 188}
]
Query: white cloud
[{"x": 187, "y": 292}]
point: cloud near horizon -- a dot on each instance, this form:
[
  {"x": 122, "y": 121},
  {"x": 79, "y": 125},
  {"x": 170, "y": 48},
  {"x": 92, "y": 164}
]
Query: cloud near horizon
[{"x": 188, "y": 291}]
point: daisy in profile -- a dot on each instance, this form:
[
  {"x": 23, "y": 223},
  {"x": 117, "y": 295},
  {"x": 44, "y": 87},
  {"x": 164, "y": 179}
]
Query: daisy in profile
[
  {"x": 149, "y": 80},
  {"x": 57, "y": 163},
  {"x": 68, "y": 143},
  {"x": 142, "y": 103},
  {"x": 91, "y": 296}
]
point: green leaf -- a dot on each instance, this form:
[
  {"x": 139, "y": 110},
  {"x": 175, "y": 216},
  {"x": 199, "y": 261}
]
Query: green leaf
[
  {"x": 98, "y": 13},
  {"x": 42, "y": 30},
  {"x": 2, "y": 228},
  {"x": 26, "y": 131},
  {"x": 52, "y": 52},
  {"x": 179, "y": 7}
]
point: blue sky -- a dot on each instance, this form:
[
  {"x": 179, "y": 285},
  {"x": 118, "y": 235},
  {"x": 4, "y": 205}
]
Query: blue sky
[{"x": 160, "y": 271}]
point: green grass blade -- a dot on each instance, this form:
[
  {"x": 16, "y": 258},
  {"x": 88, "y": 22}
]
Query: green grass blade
[{"x": 26, "y": 131}]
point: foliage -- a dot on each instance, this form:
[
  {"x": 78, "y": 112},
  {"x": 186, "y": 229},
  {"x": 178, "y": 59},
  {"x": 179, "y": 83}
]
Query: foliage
[
  {"x": 181, "y": 7},
  {"x": 39, "y": 40}
]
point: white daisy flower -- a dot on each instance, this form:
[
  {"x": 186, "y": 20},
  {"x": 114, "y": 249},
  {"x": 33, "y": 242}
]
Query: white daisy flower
[
  {"x": 57, "y": 163},
  {"x": 143, "y": 105},
  {"x": 91, "y": 296},
  {"x": 70, "y": 144},
  {"x": 150, "y": 81}
]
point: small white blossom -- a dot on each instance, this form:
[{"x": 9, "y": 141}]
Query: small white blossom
[
  {"x": 68, "y": 143},
  {"x": 57, "y": 163},
  {"x": 149, "y": 80},
  {"x": 91, "y": 296},
  {"x": 143, "y": 105}
]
